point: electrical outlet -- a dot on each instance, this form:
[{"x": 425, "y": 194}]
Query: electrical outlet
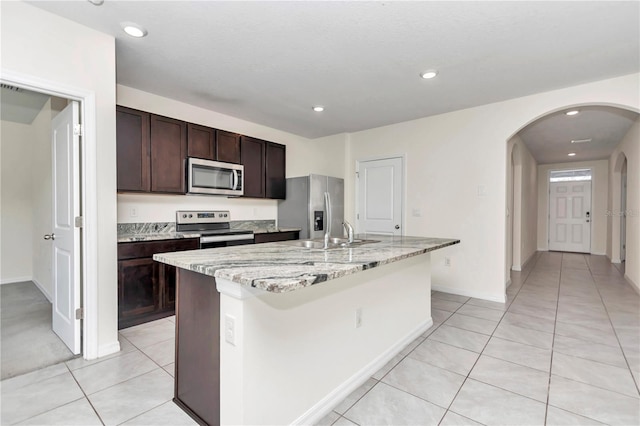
[
  {"x": 133, "y": 212},
  {"x": 230, "y": 329},
  {"x": 358, "y": 317},
  {"x": 447, "y": 261}
]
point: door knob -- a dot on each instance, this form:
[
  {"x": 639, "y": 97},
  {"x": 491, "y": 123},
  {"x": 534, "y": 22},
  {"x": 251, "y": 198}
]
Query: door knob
[
  {"x": 50, "y": 236},
  {"x": 397, "y": 226},
  {"x": 587, "y": 220}
]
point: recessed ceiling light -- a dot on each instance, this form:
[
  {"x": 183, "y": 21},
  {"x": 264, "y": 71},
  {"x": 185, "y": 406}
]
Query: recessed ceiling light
[
  {"x": 318, "y": 108},
  {"x": 571, "y": 154},
  {"x": 134, "y": 30},
  {"x": 96, "y": 2},
  {"x": 581, "y": 140},
  {"x": 572, "y": 112},
  {"x": 429, "y": 74}
]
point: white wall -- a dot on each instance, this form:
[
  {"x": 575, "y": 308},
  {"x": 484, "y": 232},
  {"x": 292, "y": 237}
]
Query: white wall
[
  {"x": 599, "y": 197},
  {"x": 52, "y": 49},
  {"x": 630, "y": 147},
  {"x": 304, "y": 156},
  {"x": 16, "y": 224},
  {"x": 525, "y": 202},
  {"x": 450, "y": 155}
]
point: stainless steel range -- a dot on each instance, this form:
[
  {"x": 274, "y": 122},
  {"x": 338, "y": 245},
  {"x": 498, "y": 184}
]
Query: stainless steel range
[{"x": 214, "y": 228}]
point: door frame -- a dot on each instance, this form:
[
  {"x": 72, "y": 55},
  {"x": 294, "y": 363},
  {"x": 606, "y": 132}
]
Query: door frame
[
  {"x": 548, "y": 192},
  {"x": 403, "y": 159},
  {"x": 88, "y": 249}
]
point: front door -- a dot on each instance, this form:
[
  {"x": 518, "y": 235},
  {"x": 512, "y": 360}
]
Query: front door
[
  {"x": 570, "y": 216},
  {"x": 65, "y": 236},
  {"x": 380, "y": 192}
]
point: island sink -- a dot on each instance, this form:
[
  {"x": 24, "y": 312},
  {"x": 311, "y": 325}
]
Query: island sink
[{"x": 334, "y": 243}]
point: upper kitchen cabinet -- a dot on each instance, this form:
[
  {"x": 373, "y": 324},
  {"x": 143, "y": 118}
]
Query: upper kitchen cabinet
[
  {"x": 151, "y": 152},
  {"x": 168, "y": 154},
  {"x": 228, "y": 147},
  {"x": 132, "y": 132},
  {"x": 264, "y": 168},
  {"x": 253, "y": 159},
  {"x": 201, "y": 142},
  {"x": 275, "y": 166}
]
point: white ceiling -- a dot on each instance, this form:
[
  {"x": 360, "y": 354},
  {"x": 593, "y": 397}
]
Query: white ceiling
[
  {"x": 549, "y": 138},
  {"x": 269, "y": 62}
]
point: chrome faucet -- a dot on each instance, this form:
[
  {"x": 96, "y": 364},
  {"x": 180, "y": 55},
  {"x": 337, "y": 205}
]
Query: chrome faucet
[{"x": 349, "y": 230}]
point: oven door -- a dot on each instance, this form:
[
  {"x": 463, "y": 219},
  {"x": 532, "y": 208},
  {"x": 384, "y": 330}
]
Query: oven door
[
  {"x": 214, "y": 177},
  {"x": 212, "y": 241}
]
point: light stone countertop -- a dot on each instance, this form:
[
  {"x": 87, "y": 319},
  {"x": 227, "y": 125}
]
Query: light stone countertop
[
  {"x": 281, "y": 266},
  {"x": 173, "y": 235}
]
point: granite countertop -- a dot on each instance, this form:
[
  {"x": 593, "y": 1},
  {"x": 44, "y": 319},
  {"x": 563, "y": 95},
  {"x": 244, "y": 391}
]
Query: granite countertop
[
  {"x": 155, "y": 231},
  {"x": 282, "y": 267}
]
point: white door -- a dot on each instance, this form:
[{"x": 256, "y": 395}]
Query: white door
[
  {"x": 65, "y": 237},
  {"x": 380, "y": 192},
  {"x": 570, "y": 216}
]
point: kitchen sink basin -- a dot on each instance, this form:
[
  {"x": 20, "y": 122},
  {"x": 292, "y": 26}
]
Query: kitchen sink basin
[{"x": 334, "y": 243}]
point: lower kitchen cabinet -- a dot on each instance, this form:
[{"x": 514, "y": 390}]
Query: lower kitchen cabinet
[
  {"x": 146, "y": 288},
  {"x": 271, "y": 237}
]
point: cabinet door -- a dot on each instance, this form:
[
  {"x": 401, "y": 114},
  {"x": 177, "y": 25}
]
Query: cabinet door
[
  {"x": 132, "y": 146},
  {"x": 228, "y": 147},
  {"x": 137, "y": 287},
  {"x": 168, "y": 154},
  {"x": 275, "y": 165},
  {"x": 252, "y": 151},
  {"x": 201, "y": 142}
]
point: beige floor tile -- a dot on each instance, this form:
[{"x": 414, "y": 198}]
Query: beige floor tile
[
  {"x": 77, "y": 413},
  {"x": 167, "y": 414},
  {"x": 129, "y": 399},
  {"x": 445, "y": 356}
]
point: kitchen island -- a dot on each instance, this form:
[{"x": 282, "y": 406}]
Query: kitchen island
[{"x": 278, "y": 333}]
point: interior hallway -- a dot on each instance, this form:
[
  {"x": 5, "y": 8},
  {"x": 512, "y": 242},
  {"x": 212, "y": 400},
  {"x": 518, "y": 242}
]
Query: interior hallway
[{"x": 565, "y": 349}]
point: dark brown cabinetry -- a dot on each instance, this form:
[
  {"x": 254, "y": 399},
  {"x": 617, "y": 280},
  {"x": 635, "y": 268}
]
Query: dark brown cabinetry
[
  {"x": 201, "y": 142},
  {"x": 133, "y": 156},
  {"x": 151, "y": 152},
  {"x": 275, "y": 166},
  {"x": 152, "y": 155},
  {"x": 264, "y": 168},
  {"x": 168, "y": 154},
  {"x": 146, "y": 288},
  {"x": 228, "y": 148},
  {"x": 253, "y": 160},
  {"x": 271, "y": 237}
]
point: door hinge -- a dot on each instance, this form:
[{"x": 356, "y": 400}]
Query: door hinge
[
  {"x": 78, "y": 130},
  {"x": 79, "y": 222},
  {"x": 358, "y": 216},
  {"x": 358, "y": 174},
  {"x": 80, "y": 313}
]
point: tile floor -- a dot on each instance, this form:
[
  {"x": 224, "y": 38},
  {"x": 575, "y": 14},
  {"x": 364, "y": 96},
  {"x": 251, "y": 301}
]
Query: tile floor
[{"x": 564, "y": 350}]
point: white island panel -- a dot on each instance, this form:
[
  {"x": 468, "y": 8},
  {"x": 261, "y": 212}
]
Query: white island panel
[{"x": 298, "y": 354}]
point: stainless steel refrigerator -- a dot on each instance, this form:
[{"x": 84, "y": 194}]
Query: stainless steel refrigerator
[{"x": 304, "y": 207}]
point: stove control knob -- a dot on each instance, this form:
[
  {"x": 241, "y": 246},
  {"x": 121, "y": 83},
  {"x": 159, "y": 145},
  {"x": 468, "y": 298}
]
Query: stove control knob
[
  {"x": 190, "y": 216},
  {"x": 184, "y": 216},
  {"x": 225, "y": 215}
]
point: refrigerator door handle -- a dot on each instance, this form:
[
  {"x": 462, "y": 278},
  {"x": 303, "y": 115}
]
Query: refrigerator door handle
[{"x": 327, "y": 207}]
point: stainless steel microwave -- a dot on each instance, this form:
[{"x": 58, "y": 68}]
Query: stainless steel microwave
[{"x": 214, "y": 177}]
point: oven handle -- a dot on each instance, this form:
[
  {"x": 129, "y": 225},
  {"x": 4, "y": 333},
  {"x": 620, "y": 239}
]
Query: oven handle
[{"x": 223, "y": 238}]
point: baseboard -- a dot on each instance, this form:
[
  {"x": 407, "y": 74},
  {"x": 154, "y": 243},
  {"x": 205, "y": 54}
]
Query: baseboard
[
  {"x": 519, "y": 268},
  {"x": 15, "y": 280},
  {"x": 41, "y": 288},
  {"x": 633, "y": 284},
  {"x": 329, "y": 402},
  {"x": 598, "y": 253},
  {"x": 460, "y": 292},
  {"x": 616, "y": 260},
  {"x": 108, "y": 349}
]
